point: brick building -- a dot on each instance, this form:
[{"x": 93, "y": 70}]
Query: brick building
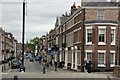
[
  {"x": 8, "y": 49},
  {"x": 89, "y": 32}
]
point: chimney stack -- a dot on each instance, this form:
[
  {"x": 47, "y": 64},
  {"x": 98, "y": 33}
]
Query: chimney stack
[
  {"x": 73, "y": 8},
  {"x": 115, "y": 0}
]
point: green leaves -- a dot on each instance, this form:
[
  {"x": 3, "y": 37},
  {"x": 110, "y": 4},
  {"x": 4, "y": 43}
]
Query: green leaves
[{"x": 32, "y": 43}]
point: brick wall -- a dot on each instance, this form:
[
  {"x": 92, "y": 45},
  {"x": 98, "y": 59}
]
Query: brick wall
[
  {"x": 110, "y": 14},
  {"x": 116, "y": 71},
  {"x": 90, "y": 14}
]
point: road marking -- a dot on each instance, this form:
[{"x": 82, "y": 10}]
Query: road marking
[
  {"x": 4, "y": 73},
  {"x": 10, "y": 70}
]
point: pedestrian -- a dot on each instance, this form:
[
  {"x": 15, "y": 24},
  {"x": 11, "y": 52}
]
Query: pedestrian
[
  {"x": 85, "y": 65},
  {"x": 52, "y": 64},
  {"x": 89, "y": 66},
  {"x": 43, "y": 61}
]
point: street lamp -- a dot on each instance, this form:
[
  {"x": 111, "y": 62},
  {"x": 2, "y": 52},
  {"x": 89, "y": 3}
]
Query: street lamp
[{"x": 22, "y": 68}]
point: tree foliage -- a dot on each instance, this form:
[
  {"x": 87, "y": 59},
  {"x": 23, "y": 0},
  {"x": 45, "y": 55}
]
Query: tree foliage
[{"x": 32, "y": 43}]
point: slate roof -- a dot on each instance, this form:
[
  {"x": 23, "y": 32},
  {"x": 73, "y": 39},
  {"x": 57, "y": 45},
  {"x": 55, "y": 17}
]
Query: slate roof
[
  {"x": 94, "y": 1},
  {"x": 100, "y": 4}
]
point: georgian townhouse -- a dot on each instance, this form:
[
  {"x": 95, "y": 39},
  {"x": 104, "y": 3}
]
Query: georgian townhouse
[
  {"x": 101, "y": 34},
  {"x": 51, "y": 39},
  {"x": 7, "y": 48},
  {"x": 2, "y": 43},
  {"x": 91, "y": 32},
  {"x": 72, "y": 33},
  {"x": 15, "y": 47}
]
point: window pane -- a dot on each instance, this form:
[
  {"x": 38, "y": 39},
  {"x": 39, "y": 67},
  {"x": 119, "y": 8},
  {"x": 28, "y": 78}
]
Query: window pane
[
  {"x": 100, "y": 14},
  {"x": 112, "y": 58},
  {"x": 102, "y": 31},
  {"x": 101, "y": 58},
  {"x": 112, "y": 35},
  {"x": 89, "y": 35},
  {"x": 89, "y": 55},
  {"x": 101, "y": 35},
  {"x": 89, "y": 30}
]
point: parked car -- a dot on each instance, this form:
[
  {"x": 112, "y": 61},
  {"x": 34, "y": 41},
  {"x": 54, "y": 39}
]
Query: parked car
[
  {"x": 15, "y": 64},
  {"x": 37, "y": 58},
  {"x": 31, "y": 58}
]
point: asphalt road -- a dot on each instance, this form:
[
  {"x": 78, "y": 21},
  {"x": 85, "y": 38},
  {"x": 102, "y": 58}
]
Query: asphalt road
[{"x": 32, "y": 67}]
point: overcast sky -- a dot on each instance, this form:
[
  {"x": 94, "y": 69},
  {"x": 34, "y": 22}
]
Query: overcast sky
[{"x": 41, "y": 16}]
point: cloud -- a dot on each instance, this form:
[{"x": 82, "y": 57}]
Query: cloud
[{"x": 41, "y": 16}]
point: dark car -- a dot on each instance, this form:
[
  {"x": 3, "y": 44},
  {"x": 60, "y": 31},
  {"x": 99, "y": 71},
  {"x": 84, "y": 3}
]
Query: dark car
[{"x": 15, "y": 64}]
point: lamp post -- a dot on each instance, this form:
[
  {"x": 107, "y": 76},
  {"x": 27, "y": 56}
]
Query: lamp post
[
  {"x": 22, "y": 67},
  {"x": 83, "y": 41},
  {"x": 23, "y": 32}
]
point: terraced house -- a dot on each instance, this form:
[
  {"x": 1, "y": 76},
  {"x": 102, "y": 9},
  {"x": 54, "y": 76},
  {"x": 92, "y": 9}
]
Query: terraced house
[
  {"x": 90, "y": 31},
  {"x": 8, "y": 49}
]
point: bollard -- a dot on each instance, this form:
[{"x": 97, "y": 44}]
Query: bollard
[
  {"x": 55, "y": 68},
  {"x": 55, "y": 64},
  {"x": 43, "y": 70},
  {"x": 15, "y": 77}
]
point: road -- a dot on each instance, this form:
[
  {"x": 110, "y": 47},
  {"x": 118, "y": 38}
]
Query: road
[{"x": 31, "y": 67}]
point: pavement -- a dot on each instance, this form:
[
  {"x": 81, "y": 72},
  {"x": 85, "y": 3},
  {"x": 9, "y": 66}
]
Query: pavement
[
  {"x": 61, "y": 74},
  {"x": 34, "y": 72}
]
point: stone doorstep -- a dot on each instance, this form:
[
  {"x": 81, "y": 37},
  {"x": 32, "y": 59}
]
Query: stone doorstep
[{"x": 78, "y": 70}]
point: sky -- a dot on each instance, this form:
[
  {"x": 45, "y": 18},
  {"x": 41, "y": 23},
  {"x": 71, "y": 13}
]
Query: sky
[{"x": 40, "y": 16}]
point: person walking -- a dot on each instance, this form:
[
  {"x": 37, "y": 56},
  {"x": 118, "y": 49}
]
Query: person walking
[
  {"x": 52, "y": 64},
  {"x": 85, "y": 65},
  {"x": 44, "y": 64},
  {"x": 89, "y": 66}
]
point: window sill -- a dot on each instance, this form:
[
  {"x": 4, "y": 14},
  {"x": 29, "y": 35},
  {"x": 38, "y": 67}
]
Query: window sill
[
  {"x": 101, "y": 65},
  {"x": 112, "y": 65},
  {"x": 112, "y": 43},
  {"x": 90, "y": 43},
  {"x": 101, "y": 43}
]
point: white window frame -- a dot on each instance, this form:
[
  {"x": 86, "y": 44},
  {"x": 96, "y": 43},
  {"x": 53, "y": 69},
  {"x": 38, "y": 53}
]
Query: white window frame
[
  {"x": 112, "y": 65},
  {"x": 113, "y": 28},
  {"x": 88, "y": 43},
  {"x": 87, "y": 51},
  {"x": 102, "y": 51},
  {"x": 99, "y": 14},
  {"x": 101, "y": 27}
]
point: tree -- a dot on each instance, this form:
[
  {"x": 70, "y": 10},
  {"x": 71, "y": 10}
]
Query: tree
[{"x": 32, "y": 43}]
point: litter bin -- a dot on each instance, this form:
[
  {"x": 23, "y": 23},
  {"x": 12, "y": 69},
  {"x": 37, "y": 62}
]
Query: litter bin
[{"x": 43, "y": 69}]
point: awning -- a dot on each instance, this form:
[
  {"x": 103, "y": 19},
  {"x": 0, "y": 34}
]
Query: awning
[{"x": 53, "y": 52}]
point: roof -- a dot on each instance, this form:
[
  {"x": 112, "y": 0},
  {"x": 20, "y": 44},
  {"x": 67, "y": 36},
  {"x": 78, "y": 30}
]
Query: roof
[
  {"x": 93, "y": 0},
  {"x": 100, "y": 4}
]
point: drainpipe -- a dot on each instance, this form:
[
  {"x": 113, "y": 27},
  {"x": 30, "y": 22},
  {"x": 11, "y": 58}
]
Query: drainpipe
[
  {"x": 83, "y": 42},
  {"x": 118, "y": 62}
]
